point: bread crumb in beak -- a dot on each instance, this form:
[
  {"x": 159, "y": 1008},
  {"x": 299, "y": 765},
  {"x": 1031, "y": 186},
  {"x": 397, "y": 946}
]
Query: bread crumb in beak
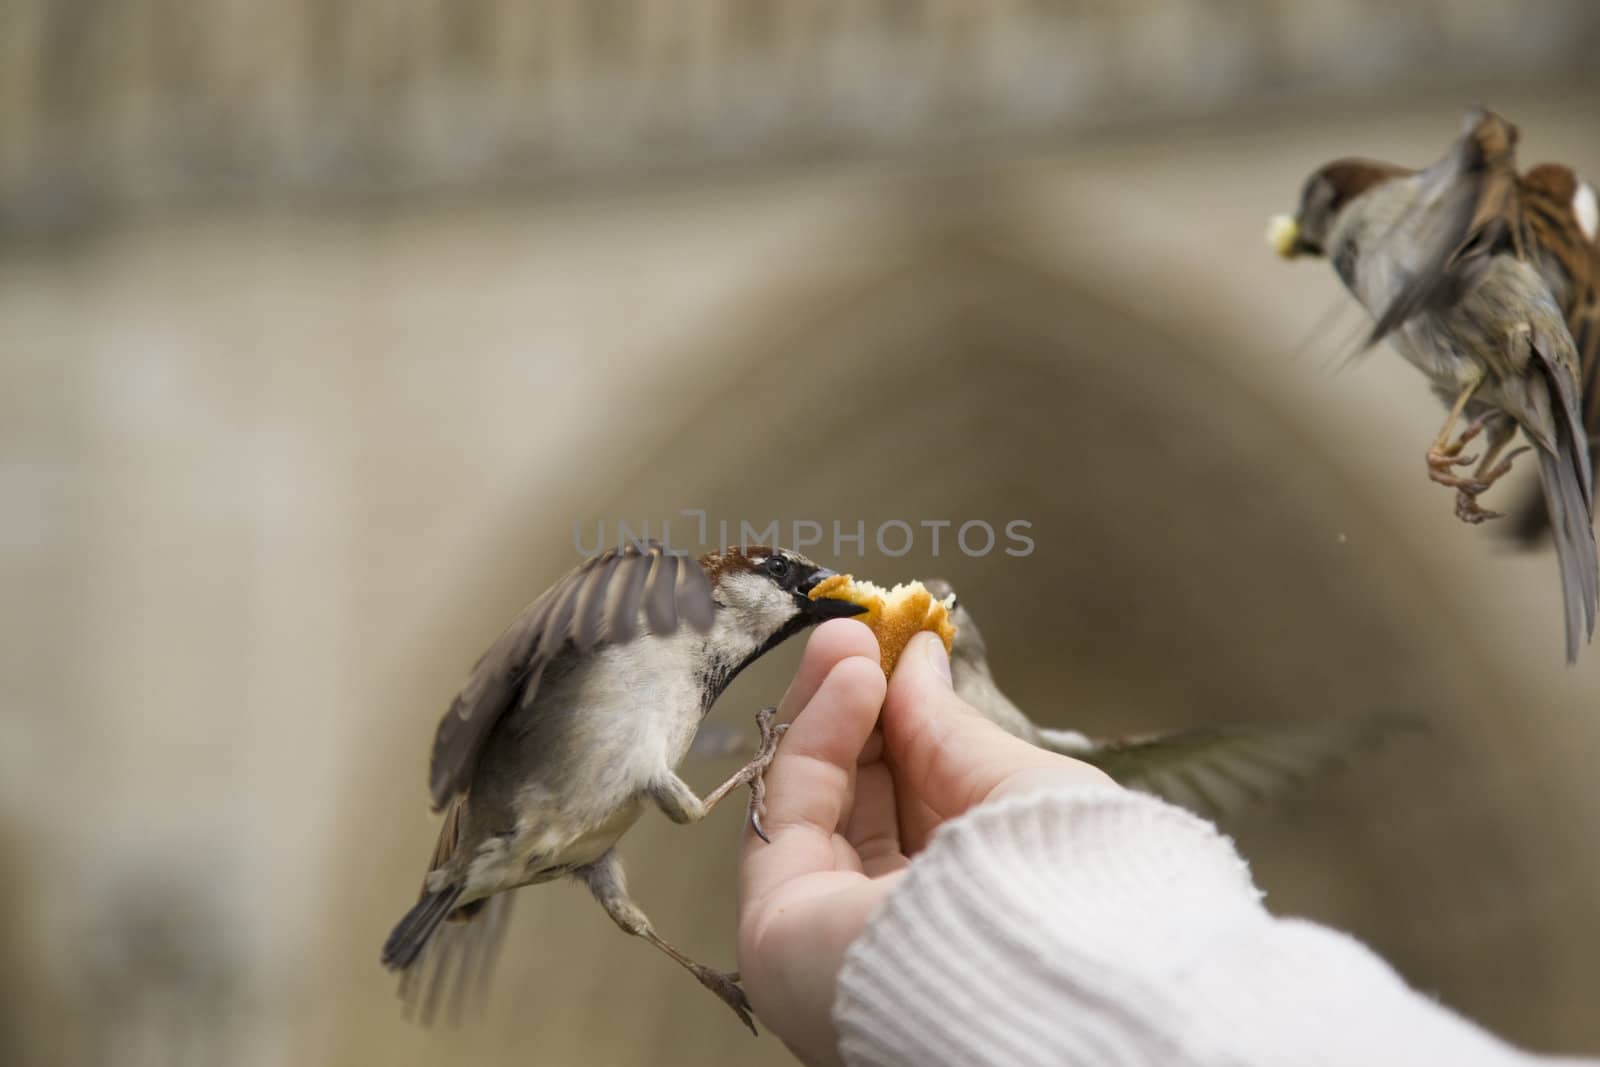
[
  {"x": 895, "y": 615},
  {"x": 1282, "y": 233}
]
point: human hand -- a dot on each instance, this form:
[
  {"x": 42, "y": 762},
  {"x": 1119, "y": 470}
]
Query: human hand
[{"x": 851, "y": 797}]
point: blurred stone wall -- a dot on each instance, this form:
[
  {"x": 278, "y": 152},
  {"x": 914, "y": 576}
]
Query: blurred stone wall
[
  {"x": 315, "y": 353},
  {"x": 108, "y": 106}
]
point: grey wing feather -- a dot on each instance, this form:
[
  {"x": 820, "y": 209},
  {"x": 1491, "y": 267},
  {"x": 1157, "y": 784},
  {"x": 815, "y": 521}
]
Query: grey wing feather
[
  {"x": 598, "y": 602},
  {"x": 1469, "y": 204},
  {"x": 1215, "y": 771},
  {"x": 589, "y": 614},
  {"x": 1583, "y": 324},
  {"x": 694, "y": 596},
  {"x": 1570, "y": 266},
  {"x": 622, "y": 603},
  {"x": 1564, "y": 391},
  {"x": 558, "y": 620},
  {"x": 660, "y": 595},
  {"x": 1566, "y": 479}
]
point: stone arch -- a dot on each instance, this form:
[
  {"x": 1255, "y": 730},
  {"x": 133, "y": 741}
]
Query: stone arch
[{"x": 1198, "y": 561}]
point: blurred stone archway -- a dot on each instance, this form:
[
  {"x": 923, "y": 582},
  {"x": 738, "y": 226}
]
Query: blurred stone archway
[
  {"x": 1199, "y": 559},
  {"x": 322, "y": 326}
]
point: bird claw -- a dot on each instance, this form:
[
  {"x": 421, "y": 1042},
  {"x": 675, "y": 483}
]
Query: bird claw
[
  {"x": 1444, "y": 455},
  {"x": 1468, "y": 489},
  {"x": 726, "y": 986},
  {"x": 1468, "y": 432},
  {"x": 1441, "y": 460},
  {"x": 755, "y": 818},
  {"x": 1503, "y": 468},
  {"x": 1468, "y": 511},
  {"x": 771, "y": 734}
]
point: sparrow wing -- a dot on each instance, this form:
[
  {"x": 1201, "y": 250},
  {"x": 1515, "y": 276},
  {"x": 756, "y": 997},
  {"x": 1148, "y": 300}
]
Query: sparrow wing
[
  {"x": 1569, "y": 261},
  {"x": 1214, "y": 771},
  {"x": 1566, "y": 478},
  {"x": 1470, "y": 210},
  {"x": 598, "y": 602},
  {"x": 1584, "y": 323}
]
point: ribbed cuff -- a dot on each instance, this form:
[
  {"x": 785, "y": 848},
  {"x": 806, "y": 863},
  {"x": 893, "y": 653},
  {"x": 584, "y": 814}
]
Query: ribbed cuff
[
  {"x": 1098, "y": 926},
  {"x": 926, "y": 981}
]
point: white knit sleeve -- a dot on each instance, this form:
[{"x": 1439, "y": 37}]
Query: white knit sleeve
[{"x": 1101, "y": 926}]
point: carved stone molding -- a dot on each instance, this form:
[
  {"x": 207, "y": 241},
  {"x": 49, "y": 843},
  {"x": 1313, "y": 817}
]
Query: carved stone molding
[{"x": 106, "y": 105}]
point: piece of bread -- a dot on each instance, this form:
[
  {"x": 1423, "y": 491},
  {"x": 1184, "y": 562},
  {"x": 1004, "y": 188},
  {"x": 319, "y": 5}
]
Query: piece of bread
[{"x": 895, "y": 615}]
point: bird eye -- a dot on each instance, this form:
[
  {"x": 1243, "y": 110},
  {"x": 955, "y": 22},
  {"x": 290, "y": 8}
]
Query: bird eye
[{"x": 777, "y": 566}]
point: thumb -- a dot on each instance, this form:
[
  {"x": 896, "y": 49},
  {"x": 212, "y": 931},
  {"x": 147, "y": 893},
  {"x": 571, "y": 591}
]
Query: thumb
[{"x": 945, "y": 756}]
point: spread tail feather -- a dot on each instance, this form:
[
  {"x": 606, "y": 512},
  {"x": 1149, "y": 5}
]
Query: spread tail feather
[
  {"x": 446, "y": 949},
  {"x": 411, "y": 934},
  {"x": 1530, "y": 518},
  {"x": 455, "y": 968},
  {"x": 1567, "y": 505},
  {"x": 1567, "y": 478}
]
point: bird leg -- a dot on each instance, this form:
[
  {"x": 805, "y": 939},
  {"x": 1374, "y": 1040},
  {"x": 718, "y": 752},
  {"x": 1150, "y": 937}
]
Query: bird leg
[
  {"x": 771, "y": 734},
  {"x": 1445, "y": 454},
  {"x": 1488, "y": 472},
  {"x": 679, "y": 803},
  {"x": 605, "y": 881}
]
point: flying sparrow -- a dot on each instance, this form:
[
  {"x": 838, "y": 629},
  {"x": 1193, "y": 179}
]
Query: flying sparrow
[
  {"x": 1474, "y": 273},
  {"x": 577, "y": 718},
  {"x": 1212, "y": 771}
]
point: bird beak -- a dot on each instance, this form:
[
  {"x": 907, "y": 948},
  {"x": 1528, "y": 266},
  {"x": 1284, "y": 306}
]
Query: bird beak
[
  {"x": 824, "y": 608},
  {"x": 1283, "y": 234}
]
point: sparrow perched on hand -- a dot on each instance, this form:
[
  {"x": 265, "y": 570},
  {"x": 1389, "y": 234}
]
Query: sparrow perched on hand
[
  {"x": 1212, "y": 771},
  {"x": 1485, "y": 281},
  {"x": 578, "y": 716}
]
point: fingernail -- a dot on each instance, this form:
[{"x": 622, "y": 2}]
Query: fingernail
[{"x": 938, "y": 657}]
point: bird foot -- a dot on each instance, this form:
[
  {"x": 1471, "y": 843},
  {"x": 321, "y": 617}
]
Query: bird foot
[
  {"x": 1444, "y": 456},
  {"x": 1440, "y": 464},
  {"x": 725, "y": 984},
  {"x": 1467, "y": 507},
  {"x": 1468, "y": 510},
  {"x": 1501, "y": 469},
  {"x": 756, "y": 769}
]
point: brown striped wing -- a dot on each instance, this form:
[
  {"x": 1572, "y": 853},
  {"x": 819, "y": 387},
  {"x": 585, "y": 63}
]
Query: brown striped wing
[
  {"x": 1216, "y": 771},
  {"x": 598, "y": 602},
  {"x": 1472, "y": 211},
  {"x": 1570, "y": 263}
]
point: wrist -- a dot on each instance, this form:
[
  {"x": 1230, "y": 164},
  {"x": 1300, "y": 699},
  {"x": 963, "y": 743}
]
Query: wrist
[{"x": 1083, "y": 878}]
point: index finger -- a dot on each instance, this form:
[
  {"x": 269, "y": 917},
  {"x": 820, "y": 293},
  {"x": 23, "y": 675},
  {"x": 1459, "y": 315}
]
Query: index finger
[
  {"x": 829, "y": 643},
  {"x": 808, "y": 782}
]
